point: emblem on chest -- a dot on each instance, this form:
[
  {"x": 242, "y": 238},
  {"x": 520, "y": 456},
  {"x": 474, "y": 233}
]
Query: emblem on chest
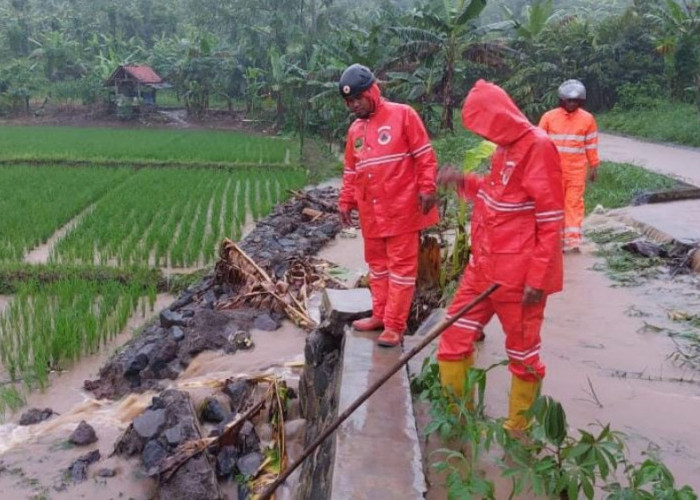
[
  {"x": 507, "y": 171},
  {"x": 384, "y": 135}
]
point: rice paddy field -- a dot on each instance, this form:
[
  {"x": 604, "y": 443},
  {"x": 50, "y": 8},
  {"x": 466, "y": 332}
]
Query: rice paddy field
[
  {"x": 120, "y": 205},
  {"x": 179, "y": 147}
]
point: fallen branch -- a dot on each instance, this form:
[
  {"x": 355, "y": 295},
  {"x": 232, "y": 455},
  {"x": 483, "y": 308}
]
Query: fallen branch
[
  {"x": 235, "y": 267},
  {"x": 192, "y": 448},
  {"x": 305, "y": 196}
]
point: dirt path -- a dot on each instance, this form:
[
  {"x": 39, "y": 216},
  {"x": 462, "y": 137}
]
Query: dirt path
[{"x": 676, "y": 161}]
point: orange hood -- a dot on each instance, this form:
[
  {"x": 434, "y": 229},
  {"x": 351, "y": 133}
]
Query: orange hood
[{"x": 489, "y": 112}]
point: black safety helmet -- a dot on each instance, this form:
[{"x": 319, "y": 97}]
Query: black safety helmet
[{"x": 355, "y": 80}]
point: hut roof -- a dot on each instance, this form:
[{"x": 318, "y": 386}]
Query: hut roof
[{"x": 142, "y": 74}]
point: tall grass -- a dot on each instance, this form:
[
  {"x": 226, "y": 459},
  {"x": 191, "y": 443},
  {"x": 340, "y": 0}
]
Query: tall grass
[
  {"x": 94, "y": 144},
  {"x": 35, "y": 202},
  {"x": 660, "y": 121}
]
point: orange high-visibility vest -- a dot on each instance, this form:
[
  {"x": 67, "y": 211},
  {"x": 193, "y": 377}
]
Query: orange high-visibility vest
[{"x": 576, "y": 137}]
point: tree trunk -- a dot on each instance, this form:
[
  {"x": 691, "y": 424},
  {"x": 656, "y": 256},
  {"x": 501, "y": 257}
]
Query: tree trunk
[{"x": 447, "y": 122}]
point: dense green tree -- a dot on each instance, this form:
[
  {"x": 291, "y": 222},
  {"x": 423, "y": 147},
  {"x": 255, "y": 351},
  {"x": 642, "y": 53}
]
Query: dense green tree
[{"x": 441, "y": 34}]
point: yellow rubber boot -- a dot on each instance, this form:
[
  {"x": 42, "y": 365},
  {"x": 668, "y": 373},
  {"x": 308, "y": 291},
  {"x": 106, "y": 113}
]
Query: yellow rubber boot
[
  {"x": 522, "y": 395},
  {"x": 453, "y": 374}
]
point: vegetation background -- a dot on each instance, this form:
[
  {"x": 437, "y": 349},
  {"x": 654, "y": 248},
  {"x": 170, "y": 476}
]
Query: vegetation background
[{"x": 280, "y": 60}]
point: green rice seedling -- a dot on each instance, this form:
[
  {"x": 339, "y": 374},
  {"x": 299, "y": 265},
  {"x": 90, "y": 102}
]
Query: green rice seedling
[
  {"x": 10, "y": 399},
  {"x": 51, "y": 326},
  {"x": 172, "y": 217},
  {"x": 35, "y": 202},
  {"x": 74, "y": 144}
]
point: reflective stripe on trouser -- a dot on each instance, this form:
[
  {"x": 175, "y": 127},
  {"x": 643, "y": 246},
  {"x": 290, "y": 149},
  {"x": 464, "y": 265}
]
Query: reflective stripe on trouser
[
  {"x": 393, "y": 266},
  {"x": 574, "y": 187},
  {"x": 521, "y": 325}
]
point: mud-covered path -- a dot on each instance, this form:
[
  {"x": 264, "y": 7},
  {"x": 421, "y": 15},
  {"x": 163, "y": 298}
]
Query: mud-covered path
[{"x": 607, "y": 364}]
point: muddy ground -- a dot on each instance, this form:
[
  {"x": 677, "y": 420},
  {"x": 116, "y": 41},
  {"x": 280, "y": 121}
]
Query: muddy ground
[
  {"x": 609, "y": 351},
  {"x": 84, "y": 116}
]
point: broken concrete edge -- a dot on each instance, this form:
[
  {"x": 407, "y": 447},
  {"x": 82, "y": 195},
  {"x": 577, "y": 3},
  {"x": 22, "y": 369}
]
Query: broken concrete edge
[
  {"x": 683, "y": 191},
  {"x": 319, "y": 387},
  {"x": 655, "y": 234},
  {"x": 360, "y": 437}
]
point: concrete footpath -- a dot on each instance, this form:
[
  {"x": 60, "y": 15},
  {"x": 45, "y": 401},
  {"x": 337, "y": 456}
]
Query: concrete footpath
[
  {"x": 676, "y": 161},
  {"x": 673, "y": 221}
]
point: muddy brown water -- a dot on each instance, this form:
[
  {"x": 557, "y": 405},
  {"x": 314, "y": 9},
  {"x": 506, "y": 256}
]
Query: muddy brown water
[
  {"x": 34, "y": 457},
  {"x": 606, "y": 363}
]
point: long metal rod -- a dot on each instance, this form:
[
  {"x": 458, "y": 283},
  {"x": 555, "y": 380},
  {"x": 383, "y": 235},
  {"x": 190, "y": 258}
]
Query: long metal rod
[{"x": 429, "y": 337}]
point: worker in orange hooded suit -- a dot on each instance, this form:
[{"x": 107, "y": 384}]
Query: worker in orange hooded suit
[
  {"x": 516, "y": 242},
  {"x": 575, "y": 133},
  {"x": 389, "y": 177}
]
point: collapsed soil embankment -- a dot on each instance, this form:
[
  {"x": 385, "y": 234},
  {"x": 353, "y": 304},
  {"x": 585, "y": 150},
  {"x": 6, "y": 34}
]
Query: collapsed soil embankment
[{"x": 216, "y": 314}]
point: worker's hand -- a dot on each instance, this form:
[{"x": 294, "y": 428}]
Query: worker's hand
[
  {"x": 346, "y": 218},
  {"x": 426, "y": 202},
  {"x": 449, "y": 176},
  {"x": 532, "y": 296},
  {"x": 592, "y": 174}
]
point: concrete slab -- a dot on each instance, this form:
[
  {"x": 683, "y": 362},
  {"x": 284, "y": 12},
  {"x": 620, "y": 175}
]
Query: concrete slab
[
  {"x": 377, "y": 450},
  {"x": 675, "y": 221},
  {"x": 347, "y": 305}
]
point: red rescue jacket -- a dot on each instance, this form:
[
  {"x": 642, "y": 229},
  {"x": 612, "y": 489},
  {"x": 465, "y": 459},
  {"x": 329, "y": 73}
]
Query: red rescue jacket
[
  {"x": 518, "y": 208},
  {"x": 388, "y": 161}
]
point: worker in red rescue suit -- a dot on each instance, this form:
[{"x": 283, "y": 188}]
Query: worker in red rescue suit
[
  {"x": 516, "y": 242},
  {"x": 575, "y": 133},
  {"x": 389, "y": 177}
]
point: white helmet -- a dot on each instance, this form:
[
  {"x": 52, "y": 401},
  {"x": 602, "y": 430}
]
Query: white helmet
[{"x": 572, "y": 89}]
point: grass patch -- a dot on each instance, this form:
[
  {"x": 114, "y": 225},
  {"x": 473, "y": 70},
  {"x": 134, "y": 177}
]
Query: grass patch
[
  {"x": 618, "y": 183},
  {"x": 452, "y": 148},
  {"x": 661, "y": 121},
  {"x": 320, "y": 160}
]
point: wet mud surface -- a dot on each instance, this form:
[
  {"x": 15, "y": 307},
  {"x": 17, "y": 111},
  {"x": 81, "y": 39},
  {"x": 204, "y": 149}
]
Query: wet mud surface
[{"x": 611, "y": 349}]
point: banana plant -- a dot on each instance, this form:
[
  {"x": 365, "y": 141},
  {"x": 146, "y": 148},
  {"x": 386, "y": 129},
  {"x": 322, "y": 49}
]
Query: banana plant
[{"x": 461, "y": 248}]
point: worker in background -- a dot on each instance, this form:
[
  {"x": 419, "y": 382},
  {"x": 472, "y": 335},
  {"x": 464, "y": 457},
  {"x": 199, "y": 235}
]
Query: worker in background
[
  {"x": 389, "y": 177},
  {"x": 516, "y": 242},
  {"x": 575, "y": 133}
]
